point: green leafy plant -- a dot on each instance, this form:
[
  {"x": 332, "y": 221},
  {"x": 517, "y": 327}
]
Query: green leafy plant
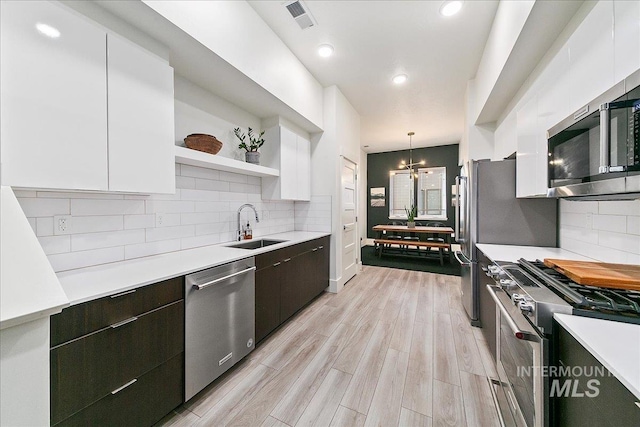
[
  {"x": 412, "y": 213},
  {"x": 255, "y": 142}
]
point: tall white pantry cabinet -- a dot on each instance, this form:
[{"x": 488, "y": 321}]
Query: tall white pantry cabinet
[{"x": 82, "y": 109}]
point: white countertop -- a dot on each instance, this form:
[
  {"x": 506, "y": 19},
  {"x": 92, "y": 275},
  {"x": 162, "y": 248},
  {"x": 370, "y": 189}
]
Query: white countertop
[
  {"x": 616, "y": 345},
  {"x": 512, "y": 253},
  {"x": 29, "y": 288},
  {"x": 85, "y": 284}
]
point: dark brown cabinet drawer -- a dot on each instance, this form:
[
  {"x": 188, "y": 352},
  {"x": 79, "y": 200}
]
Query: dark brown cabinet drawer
[
  {"x": 268, "y": 259},
  {"x": 82, "y": 319},
  {"x": 87, "y": 369},
  {"x": 142, "y": 403}
]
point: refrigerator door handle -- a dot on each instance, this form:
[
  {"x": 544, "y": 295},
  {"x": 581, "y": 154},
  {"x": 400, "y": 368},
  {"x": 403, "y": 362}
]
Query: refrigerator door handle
[
  {"x": 457, "y": 211},
  {"x": 459, "y": 254}
]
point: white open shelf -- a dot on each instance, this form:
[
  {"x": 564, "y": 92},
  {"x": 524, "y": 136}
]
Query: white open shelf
[{"x": 204, "y": 160}]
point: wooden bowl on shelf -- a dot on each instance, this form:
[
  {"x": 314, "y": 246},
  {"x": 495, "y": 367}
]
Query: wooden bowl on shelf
[{"x": 203, "y": 142}]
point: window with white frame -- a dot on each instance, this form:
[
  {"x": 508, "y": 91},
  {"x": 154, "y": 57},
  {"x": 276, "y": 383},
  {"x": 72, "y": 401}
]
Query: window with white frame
[
  {"x": 430, "y": 194},
  {"x": 400, "y": 193}
]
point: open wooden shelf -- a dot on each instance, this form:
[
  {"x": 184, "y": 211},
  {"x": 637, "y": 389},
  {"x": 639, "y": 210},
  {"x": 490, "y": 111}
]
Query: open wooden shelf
[{"x": 187, "y": 156}]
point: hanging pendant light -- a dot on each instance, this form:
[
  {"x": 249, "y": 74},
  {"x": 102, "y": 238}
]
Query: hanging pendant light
[{"x": 409, "y": 166}]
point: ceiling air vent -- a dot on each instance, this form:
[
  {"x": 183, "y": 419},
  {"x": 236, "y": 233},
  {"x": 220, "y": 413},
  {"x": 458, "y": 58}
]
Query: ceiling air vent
[{"x": 302, "y": 16}]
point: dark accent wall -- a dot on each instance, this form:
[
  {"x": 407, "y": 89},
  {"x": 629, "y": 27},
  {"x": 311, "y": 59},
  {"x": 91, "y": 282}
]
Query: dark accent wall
[{"x": 379, "y": 165}]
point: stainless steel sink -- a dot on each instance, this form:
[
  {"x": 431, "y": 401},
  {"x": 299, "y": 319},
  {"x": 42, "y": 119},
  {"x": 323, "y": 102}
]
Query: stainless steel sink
[{"x": 256, "y": 244}]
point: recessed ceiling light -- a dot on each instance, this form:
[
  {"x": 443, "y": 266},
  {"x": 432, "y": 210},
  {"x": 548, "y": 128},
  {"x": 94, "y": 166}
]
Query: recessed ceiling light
[
  {"x": 325, "y": 50},
  {"x": 450, "y": 8},
  {"x": 400, "y": 78},
  {"x": 48, "y": 30}
]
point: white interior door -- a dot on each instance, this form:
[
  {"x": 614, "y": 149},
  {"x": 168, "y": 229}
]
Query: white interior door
[{"x": 349, "y": 220}]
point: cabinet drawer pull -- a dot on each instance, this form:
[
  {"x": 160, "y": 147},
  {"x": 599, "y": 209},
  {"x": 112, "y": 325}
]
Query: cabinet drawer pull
[
  {"x": 320, "y": 247},
  {"x": 119, "y": 389},
  {"x": 124, "y": 322},
  {"x": 314, "y": 249},
  {"x": 286, "y": 260},
  {"x": 123, "y": 293},
  {"x": 276, "y": 264}
]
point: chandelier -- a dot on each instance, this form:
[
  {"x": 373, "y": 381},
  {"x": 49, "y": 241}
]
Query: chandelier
[{"x": 409, "y": 166}]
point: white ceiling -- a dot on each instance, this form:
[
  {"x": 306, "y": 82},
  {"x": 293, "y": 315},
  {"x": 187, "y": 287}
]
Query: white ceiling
[{"x": 375, "y": 40}]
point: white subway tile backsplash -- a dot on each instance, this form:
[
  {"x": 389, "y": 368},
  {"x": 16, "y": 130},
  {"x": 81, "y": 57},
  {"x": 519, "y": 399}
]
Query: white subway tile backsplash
[
  {"x": 623, "y": 242},
  {"x": 183, "y": 182},
  {"x": 169, "y": 206},
  {"x": 199, "y": 218},
  {"x": 94, "y": 224},
  {"x": 139, "y": 221},
  {"x": 200, "y": 195},
  {"x": 197, "y": 241},
  {"x": 152, "y": 248},
  {"x": 607, "y": 231},
  {"x": 233, "y": 177},
  {"x": 73, "y": 260},
  {"x": 196, "y": 172},
  {"x": 207, "y": 184},
  {"x": 569, "y": 206},
  {"x": 617, "y": 223},
  {"x": 212, "y": 206},
  {"x": 55, "y": 244},
  {"x": 44, "y": 226},
  {"x": 620, "y": 207},
  {"x": 37, "y": 207},
  {"x": 112, "y": 227},
  {"x": 88, "y": 241},
  {"x": 169, "y": 233},
  {"x": 167, "y": 220},
  {"x": 633, "y": 225},
  {"x": 85, "y": 207}
]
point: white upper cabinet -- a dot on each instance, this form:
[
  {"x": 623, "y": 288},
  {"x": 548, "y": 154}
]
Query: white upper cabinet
[
  {"x": 290, "y": 153},
  {"x": 626, "y": 38},
  {"x": 591, "y": 54},
  {"x": 77, "y": 117},
  {"x": 141, "y": 119},
  {"x": 54, "y": 98},
  {"x": 531, "y": 165}
]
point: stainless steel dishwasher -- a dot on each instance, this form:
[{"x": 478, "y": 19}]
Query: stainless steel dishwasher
[{"x": 219, "y": 321}]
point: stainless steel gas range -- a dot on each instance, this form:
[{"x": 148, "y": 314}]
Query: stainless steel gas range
[{"x": 527, "y": 294}]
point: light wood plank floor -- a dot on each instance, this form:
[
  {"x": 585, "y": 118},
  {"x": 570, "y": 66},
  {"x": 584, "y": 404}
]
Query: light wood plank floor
[{"x": 394, "y": 348}]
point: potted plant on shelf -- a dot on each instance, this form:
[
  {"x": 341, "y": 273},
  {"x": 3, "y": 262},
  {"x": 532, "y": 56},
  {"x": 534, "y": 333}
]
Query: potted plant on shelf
[
  {"x": 411, "y": 216},
  {"x": 255, "y": 142}
]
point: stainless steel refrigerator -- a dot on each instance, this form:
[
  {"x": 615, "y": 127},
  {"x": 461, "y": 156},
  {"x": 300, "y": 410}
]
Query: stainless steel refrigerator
[{"x": 487, "y": 211}]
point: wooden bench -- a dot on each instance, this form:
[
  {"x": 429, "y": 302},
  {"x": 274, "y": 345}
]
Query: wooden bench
[{"x": 379, "y": 245}]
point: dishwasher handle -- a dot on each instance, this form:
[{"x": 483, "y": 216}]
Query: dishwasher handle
[{"x": 201, "y": 286}]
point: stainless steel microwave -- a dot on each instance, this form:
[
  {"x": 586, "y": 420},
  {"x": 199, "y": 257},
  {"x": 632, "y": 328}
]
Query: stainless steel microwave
[{"x": 596, "y": 151}]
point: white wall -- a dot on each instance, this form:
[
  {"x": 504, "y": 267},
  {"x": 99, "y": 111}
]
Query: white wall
[
  {"x": 362, "y": 202},
  {"x": 341, "y": 137},
  {"x": 239, "y": 36}
]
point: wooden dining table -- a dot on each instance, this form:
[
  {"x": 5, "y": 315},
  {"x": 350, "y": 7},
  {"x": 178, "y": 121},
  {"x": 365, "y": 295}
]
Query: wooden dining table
[{"x": 445, "y": 232}]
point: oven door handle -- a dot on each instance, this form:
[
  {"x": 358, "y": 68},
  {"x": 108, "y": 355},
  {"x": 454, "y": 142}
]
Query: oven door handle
[{"x": 517, "y": 332}]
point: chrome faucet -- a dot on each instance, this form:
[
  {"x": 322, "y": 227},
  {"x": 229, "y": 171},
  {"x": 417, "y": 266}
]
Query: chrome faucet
[{"x": 246, "y": 205}]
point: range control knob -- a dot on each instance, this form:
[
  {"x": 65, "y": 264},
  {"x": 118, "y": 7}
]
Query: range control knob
[
  {"x": 525, "y": 307},
  {"x": 507, "y": 283},
  {"x": 517, "y": 298}
]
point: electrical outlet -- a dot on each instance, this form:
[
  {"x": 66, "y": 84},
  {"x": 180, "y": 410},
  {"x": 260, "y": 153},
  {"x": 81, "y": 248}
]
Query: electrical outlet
[
  {"x": 589, "y": 221},
  {"x": 62, "y": 224},
  {"x": 159, "y": 219}
]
